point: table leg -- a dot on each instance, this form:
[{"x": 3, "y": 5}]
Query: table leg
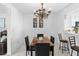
[{"x": 31, "y": 51}]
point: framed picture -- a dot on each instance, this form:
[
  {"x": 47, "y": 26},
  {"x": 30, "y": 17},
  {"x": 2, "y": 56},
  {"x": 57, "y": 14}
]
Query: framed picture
[
  {"x": 40, "y": 23},
  {"x": 2, "y": 22},
  {"x": 34, "y": 22}
]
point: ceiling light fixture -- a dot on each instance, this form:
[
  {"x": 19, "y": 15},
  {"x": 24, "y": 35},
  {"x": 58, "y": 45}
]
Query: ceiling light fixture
[{"x": 42, "y": 13}]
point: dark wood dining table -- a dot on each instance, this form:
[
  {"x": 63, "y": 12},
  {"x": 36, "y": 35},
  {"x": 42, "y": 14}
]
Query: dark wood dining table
[{"x": 43, "y": 40}]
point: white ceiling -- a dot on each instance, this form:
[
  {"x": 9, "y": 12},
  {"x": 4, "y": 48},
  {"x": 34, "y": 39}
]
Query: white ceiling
[
  {"x": 3, "y": 9},
  {"x": 30, "y": 7}
]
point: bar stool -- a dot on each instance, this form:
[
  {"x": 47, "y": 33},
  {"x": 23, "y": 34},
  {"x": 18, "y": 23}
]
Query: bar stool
[
  {"x": 63, "y": 43},
  {"x": 73, "y": 45}
]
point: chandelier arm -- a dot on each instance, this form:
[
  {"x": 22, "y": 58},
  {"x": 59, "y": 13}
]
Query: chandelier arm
[{"x": 42, "y": 5}]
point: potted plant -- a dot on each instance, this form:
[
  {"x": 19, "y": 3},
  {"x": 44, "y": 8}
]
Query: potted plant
[{"x": 76, "y": 29}]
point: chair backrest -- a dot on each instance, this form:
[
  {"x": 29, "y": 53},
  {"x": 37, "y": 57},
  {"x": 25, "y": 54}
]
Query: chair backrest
[
  {"x": 42, "y": 49},
  {"x": 72, "y": 41},
  {"x": 52, "y": 39},
  {"x": 3, "y": 33},
  {"x": 27, "y": 42},
  {"x": 60, "y": 36},
  {"x": 40, "y": 35}
]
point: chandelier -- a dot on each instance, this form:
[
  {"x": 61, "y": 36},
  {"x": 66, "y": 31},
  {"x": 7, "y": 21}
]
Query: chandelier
[{"x": 42, "y": 13}]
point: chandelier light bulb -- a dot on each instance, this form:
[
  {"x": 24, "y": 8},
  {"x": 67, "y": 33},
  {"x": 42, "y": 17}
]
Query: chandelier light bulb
[{"x": 49, "y": 9}]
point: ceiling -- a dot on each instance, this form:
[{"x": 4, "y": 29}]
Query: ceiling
[
  {"x": 28, "y": 8},
  {"x": 3, "y": 9}
]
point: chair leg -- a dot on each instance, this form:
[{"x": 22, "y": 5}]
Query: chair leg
[
  {"x": 68, "y": 48},
  {"x": 77, "y": 53},
  {"x": 71, "y": 52},
  {"x": 60, "y": 45},
  {"x": 26, "y": 53}
]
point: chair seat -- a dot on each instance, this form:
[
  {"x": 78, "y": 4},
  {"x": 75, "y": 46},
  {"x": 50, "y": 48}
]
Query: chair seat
[
  {"x": 76, "y": 48},
  {"x": 65, "y": 41}
]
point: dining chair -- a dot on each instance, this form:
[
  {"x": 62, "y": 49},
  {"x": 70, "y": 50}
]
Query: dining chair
[
  {"x": 3, "y": 33},
  {"x": 52, "y": 39},
  {"x": 42, "y": 49},
  {"x": 27, "y": 45},
  {"x": 73, "y": 45},
  {"x": 40, "y": 35},
  {"x": 3, "y": 47},
  {"x": 63, "y": 43}
]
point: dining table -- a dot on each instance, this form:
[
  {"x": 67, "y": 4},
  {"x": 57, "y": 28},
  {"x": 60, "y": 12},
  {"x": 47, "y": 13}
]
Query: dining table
[{"x": 36, "y": 40}]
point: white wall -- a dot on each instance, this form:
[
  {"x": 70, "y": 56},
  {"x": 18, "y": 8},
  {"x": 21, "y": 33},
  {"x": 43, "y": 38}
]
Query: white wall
[
  {"x": 15, "y": 29},
  {"x": 48, "y": 30}
]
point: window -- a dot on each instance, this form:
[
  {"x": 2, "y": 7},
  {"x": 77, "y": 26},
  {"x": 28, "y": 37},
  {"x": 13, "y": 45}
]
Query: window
[
  {"x": 40, "y": 23},
  {"x": 34, "y": 22},
  {"x": 2, "y": 22},
  {"x": 37, "y": 23}
]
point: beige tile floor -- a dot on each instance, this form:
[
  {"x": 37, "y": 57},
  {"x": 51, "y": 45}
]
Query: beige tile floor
[{"x": 22, "y": 52}]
